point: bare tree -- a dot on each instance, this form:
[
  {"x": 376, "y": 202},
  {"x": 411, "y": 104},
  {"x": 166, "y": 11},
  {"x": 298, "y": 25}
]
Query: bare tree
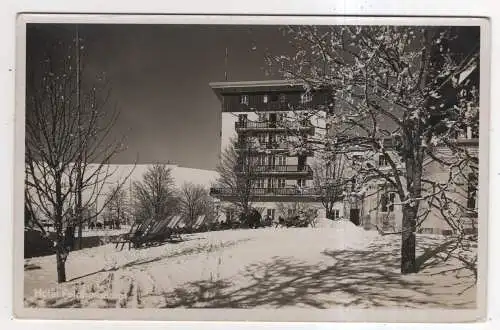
[
  {"x": 388, "y": 97},
  {"x": 329, "y": 181},
  {"x": 237, "y": 171},
  {"x": 69, "y": 145},
  {"x": 194, "y": 201},
  {"x": 155, "y": 195},
  {"x": 117, "y": 210}
]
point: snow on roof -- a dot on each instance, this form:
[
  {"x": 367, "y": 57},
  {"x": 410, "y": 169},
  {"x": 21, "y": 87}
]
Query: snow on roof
[
  {"x": 255, "y": 83},
  {"x": 254, "y": 86}
]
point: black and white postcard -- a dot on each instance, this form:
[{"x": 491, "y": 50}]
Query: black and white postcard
[{"x": 251, "y": 168}]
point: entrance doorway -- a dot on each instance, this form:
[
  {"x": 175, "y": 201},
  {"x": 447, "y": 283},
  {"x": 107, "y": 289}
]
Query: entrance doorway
[
  {"x": 354, "y": 216},
  {"x": 301, "y": 162}
]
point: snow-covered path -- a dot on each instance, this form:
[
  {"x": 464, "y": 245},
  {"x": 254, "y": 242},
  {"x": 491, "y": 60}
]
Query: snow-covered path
[{"x": 300, "y": 267}]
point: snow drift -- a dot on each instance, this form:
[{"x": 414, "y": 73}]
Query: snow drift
[
  {"x": 344, "y": 233},
  {"x": 342, "y": 224}
]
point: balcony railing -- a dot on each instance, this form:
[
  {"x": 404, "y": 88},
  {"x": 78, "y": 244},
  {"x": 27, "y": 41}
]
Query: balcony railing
[
  {"x": 275, "y": 145},
  {"x": 277, "y": 169},
  {"x": 254, "y": 124},
  {"x": 270, "y": 147},
  {"x": 264, "y": 145},
  {"x": 217, "y": 191},
  {"x": 270, "y": 125}
]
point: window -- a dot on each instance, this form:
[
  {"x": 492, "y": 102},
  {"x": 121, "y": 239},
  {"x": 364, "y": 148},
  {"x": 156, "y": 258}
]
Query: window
[
  {"x": 471, "y": 191},
  {"x": 229, "y": 216},
  {"x": 262, "y": 160},
  {"x": 467, "y": 132},
  {"x": 274, "y": 98},
  {"x": 336, "y": 214},
  {"x": 271, "y": 161},
  {"x": 242, "y": 140},
  {"x": 260, "y": 183},
  {"x": 383, "y": 160},
  {"x": 301, "y": 182},
  {"x": 282, "y": 98},
  {"x": 387, "y": 201},
  {"x": 281, "y": 160},
  {"x": 472, "y": 132},
  {"x": 244, "y": 99},
  {"x": 383, "y": 202},
  {"x": 391, "y": 199},
  {"x": 447, "y": 232},
  {"x": 278, "y": 138},
  {"x": 281, "y": 183},
  {"x": 243, "y": 162},
  {"x": 306, "y": 97},
  {"x": 262, "y": 137},
  {"x": 357, "y": 159},
  {"x": 265, "y": 99},
  {"x": 427, "y": 231}
]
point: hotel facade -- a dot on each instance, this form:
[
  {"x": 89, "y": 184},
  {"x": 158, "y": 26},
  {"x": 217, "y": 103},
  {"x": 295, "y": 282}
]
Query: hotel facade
[{"x": 264, "y": 120}]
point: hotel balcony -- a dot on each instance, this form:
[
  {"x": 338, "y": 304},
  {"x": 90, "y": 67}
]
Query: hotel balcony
[
  {"x": 268, "y": 194},
  {"x": 269, "y": 148},
  {"x": 303, "y": 171},
  {"x": 266, "y": 191},
  {"x": 245, "y": 126},
  {"x": 263, "y": 145}
]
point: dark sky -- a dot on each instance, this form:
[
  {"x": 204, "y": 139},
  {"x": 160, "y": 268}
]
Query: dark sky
[{"x": 160, "y": 76}]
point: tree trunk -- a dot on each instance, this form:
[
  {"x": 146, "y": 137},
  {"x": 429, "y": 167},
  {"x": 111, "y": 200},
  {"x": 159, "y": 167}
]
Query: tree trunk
[
  {"x": 408, "y": 241},
  {"x": 80, "y": 236},
  {"x": 414, "y": 161},
  {"x": 78, "y": 206},
  {"x": 61, "y": 269},
  {"x": 61, "y": 263},
  {"x": 60, "y": 235}
]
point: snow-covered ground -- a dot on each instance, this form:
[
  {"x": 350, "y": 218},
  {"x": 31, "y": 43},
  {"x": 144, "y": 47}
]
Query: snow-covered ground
[
  {"x": 105, "y": 232},
  {"x": 332, "y": 265}
]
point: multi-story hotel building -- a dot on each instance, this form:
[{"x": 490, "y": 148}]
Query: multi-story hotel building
[{"x": 263, "y": 117}]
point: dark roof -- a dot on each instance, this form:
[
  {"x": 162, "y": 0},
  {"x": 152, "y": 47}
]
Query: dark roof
[{"x": 235, "y": 87}]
